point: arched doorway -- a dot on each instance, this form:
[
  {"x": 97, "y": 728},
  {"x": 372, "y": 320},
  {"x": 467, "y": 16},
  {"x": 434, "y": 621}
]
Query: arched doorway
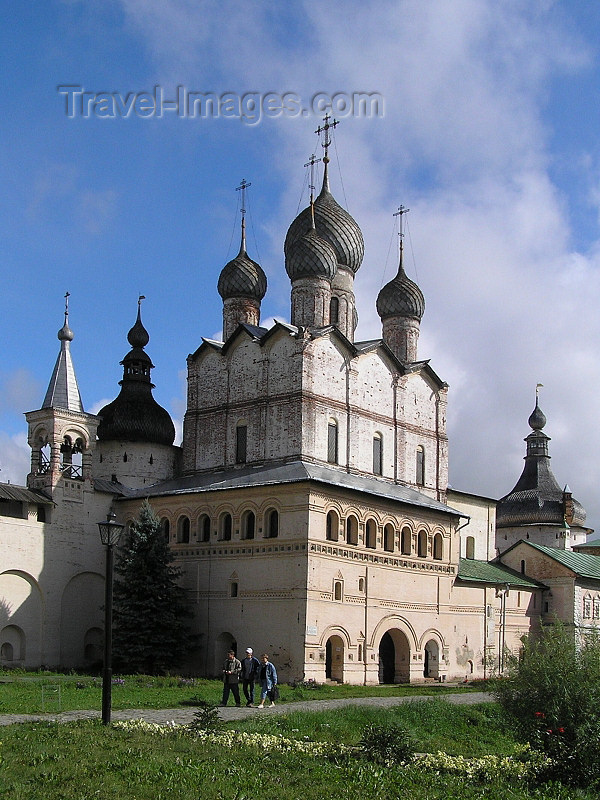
[
  {"x": 223, "y": 643},
  {"x": 432, "y": 660},
  {"x": 334, "y": 659},
  {"x": 394, "y": 658}
]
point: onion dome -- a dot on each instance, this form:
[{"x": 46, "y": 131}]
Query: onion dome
[
  {"x": 334, "y": 224},
  {"x": 537, "y": 497},
  {"x": 242, "y": 277},
  {"x": 135, "y": 416},
  {"x": 401, "y": 297},
  {"x": 311, "y": 256}
]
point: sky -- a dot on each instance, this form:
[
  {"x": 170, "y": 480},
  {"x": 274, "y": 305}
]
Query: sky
[{"x": 485, "y": 127}]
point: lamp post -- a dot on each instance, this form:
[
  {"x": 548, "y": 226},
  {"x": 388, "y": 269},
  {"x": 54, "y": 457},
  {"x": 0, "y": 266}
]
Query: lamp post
[{"x": 110, "y": 533}]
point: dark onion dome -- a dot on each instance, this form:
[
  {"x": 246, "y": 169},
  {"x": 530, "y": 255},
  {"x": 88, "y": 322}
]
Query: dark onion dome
[
  {"x": 65, "y": 334},
  {"x": 311, "y": 256},
  {"x": 242, "y": 277},
  {"x": 401, "y": 297},
  {"x": 334, "y": 224},
  {"x": 537, "y": 498},
  {"x": 134, "y": 415}
]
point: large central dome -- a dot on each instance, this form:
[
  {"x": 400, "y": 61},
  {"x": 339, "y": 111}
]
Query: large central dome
[{"x": 332, "y": 223}]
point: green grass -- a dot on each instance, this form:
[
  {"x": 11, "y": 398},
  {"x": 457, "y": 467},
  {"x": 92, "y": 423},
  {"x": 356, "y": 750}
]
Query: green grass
[
  {"x": 30, "y": 693},
  {"x": 85, "y": 760}
]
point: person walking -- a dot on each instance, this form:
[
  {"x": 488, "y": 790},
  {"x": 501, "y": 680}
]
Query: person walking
[
  {"x": 231, "y": 677},
  {"x": 250, "y": 671},
  {"x": 268, "y": 681}
]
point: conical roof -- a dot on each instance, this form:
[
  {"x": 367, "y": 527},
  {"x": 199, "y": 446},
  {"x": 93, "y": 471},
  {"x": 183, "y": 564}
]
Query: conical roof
[
  {"x": 537, "y": 497},
  {"x": 63, "y": 390},
  {"x": 332, "y": 223},
  {"x": 134, "y": 415}
]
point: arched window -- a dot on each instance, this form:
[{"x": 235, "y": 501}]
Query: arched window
[
  {"x": 241, "y": 442},
  {"x": 334, "y": 311},
  {"x": 337, "y": 590},
  {"x": 371, "y": 534},
  {"x": 406, "y": 542},
  {"x": 332, "y": 442},
  {"x": 438, "y": 546},
  {"x": 225, "y": 527},
  {"x": 352, "y": 530},
  {"x": 522, "y": 566},
  {"x": 248, "y": 525},
  {"x": 204, "y": 528},
  {"x": 272, "y": 524},
  {"x": 422, "y": 544},
  {"x": 420, "y": 480},
  {"x": 587, "y": 607},
  {"x": 233, "y": 589},
  {"x": 183, "y": 530},
  {"x": 377, "y": 454},
  {"x": 165, "y": 527},
  {"x": 470, "y": 548},
  {"x": 388, "y": 538},
  {"x": 332, "y": 526},
  {"x": 361, "y": 584}
]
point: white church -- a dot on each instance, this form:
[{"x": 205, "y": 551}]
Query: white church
[{"x": 308, "y": 505}]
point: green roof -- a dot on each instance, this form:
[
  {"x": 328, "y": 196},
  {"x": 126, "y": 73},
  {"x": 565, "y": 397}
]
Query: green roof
[
  {"x": 469, "y": 569},
  {"x": 582, "y": 564}
]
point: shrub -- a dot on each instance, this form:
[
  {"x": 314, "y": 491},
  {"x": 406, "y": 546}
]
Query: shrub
[
  {"x": 206, "y": 718},
  {"x": 387, "y": 744},
  {"x": 552, "y": 693}
]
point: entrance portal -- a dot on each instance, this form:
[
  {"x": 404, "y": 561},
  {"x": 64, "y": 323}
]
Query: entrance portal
[
  {"x": 394, "y": 658},
  {"x": 432, "y": 660},
  {"x": 334, "y": 659}
]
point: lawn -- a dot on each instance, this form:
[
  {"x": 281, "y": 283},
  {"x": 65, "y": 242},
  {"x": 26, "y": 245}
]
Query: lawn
[
  {"x": 85, "y": 760},
  {"x": 32, "y": 693}
]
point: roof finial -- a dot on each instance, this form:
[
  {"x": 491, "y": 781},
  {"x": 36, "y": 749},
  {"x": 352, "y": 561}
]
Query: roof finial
[
  {"x": 327, "y": 126},
  {"x": 402, "y": 210},
  {"x": 67, "y": 295},
  {"x": 538, "y": 386},
  {"x": 242, "y": 188}
]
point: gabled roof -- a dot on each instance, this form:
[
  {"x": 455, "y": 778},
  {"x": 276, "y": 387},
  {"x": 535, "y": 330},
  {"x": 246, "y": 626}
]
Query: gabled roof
[
  {"x": 472, "y": 570},
  {"x": 294, "y": 472},
  {"x": 583, "y": 565}
]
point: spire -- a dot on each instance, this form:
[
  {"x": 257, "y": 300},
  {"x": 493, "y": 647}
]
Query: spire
[
  {"x": 63, "y": 390},
  {"x": 242, "y": 188}
]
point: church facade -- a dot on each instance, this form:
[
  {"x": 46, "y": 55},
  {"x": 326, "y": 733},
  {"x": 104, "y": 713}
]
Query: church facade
[{"x": 308, "y": 506}]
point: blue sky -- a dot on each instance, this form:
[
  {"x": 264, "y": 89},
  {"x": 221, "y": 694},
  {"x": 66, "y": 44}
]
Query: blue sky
[{"x": 489, "y": 136}]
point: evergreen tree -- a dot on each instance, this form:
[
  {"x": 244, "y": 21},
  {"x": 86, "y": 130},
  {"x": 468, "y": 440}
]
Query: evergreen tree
[{"x": 150, "y": 610}]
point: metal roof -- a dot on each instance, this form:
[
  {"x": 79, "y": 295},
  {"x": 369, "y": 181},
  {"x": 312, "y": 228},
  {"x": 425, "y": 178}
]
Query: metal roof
[
  {"x": 9, "y": 491},
  {"x": 582, "y": 564},
  {"x": 295, "y": 472},
  {"x": 470, "y": 569}
]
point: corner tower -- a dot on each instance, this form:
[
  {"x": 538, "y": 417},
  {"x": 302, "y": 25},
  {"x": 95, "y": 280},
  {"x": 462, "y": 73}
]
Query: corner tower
[
  {"x": 136, "y": 434},
  {"x": 537, "y": 509}
]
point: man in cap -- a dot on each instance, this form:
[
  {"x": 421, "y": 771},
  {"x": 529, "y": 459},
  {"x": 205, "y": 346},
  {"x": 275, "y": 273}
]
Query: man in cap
[{"x": 250, "y": 668}]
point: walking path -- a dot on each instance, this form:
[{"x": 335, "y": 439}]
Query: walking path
[{"x": 183, "y": 716}]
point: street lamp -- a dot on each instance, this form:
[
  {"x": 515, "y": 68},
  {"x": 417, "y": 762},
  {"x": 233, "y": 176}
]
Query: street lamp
[{"x": 110, "y": 533}]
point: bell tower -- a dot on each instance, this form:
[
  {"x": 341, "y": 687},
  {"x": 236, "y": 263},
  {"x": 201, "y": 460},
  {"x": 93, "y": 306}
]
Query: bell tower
[{"x": 61, "y": 434}]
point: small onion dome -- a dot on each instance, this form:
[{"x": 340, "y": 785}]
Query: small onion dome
[
  {"x": 65, "y": 334},
  {"x": 311, "y": 256},
  {"x": 138, "y": 335},
  {"x": 537, "y": 420},
  {"x": 334, "y": 224},
  {"x": 242, "y": 277},
  {"x": 401, "y": 297}
]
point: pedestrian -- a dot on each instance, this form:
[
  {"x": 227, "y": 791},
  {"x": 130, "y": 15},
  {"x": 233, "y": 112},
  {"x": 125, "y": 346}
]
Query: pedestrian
[
  {"x": 231, "y": 677},
  {"x": 268, "y": 681},
  {"x": 250, "y": 671}
]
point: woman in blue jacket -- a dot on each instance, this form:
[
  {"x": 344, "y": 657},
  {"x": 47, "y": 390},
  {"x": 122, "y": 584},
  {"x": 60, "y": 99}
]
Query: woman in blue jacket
[{"x": 268, "y": 680}]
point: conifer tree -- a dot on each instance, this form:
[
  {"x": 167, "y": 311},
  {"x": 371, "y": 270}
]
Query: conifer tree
[{"x": 150, "y": 631}]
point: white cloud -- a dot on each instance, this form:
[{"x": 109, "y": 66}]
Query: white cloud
[{"x": 15, "y": 458}]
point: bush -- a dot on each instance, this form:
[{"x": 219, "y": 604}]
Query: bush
[
  {"x": 387, "y": 744},
  {"x": 206, "y": 718},
  {"x": 552, "y": 693}
]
